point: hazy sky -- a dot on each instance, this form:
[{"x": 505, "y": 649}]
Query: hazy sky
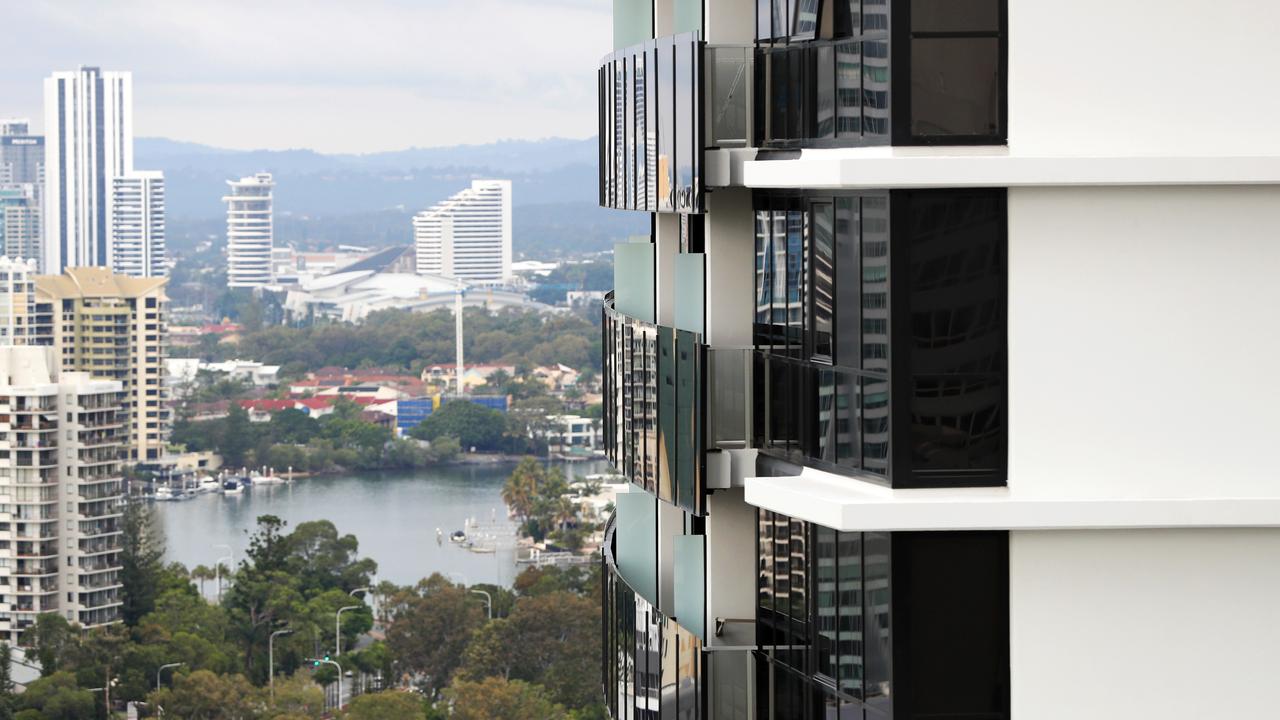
[{"x": 333, "y": 75}]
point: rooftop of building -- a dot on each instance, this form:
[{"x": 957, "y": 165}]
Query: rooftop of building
[{"x": 91, "y": 282}]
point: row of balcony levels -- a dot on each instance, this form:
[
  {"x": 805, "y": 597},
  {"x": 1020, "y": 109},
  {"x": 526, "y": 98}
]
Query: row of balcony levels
[
  {"x": 101, "y": 616},
  {"x": 674, "y": 110},
  {"x": 100, "y": 600},
  {"x": 104, "y": 546}
]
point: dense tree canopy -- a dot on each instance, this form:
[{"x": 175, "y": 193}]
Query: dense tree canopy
[
  {"x": 475, "y": 426},
  {"x": 399, "y": 338}
]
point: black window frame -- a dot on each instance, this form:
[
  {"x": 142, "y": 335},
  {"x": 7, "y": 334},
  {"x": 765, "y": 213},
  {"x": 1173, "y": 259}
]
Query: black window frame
[
  {"x": 792, "y": 381},
  {"x": 800, "y": 55}
]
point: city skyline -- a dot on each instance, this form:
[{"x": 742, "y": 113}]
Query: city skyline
[{"x": 392, "y": 84}]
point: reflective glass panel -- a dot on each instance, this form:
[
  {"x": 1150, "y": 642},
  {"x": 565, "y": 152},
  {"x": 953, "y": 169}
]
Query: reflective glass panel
[
  {"x": 684, "y": 127},
  {"x": 878, "y": 650},
  {"x": 823, "y": 276},
  {"x": 875, "y": 283},
  {"x": 955, "y": 86},
  {"x": 848, "y": 77},
  {"x": 955, "y": 15}
]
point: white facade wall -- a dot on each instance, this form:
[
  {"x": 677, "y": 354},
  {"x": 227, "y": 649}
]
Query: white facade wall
[
  {"x": 1144, "y": 624},
  {"x": 467, "y": 236},
  {"x": 84, "y": 150},
  {"x": 250, "y": 231},
  {"x": 1141, "y": 333},
  {"x": 138, "y": 225}
]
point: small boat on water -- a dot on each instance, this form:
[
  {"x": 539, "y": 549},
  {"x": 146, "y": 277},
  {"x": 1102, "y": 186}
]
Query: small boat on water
[
  {"x": 232, "y": 486},
  {"x": 457, "y": 536},
  {"x": 164, "y": 494},
  {"x": 269, "y": 480},
  {"x": 209, "y": 485}
]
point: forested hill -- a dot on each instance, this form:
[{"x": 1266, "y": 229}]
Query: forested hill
[{"x": 370, "y": 199}]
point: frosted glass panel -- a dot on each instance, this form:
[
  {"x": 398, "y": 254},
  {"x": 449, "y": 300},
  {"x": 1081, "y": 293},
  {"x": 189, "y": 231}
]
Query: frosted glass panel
[
  {"x": 688, "y": 16},
  {"x": 690, "y": 292},
  {"x": 632, "y": 22},
  {"x": 637, "y": 540},
  {"x": 690, "y": 581},
  {"x": 633, "y": 279}
]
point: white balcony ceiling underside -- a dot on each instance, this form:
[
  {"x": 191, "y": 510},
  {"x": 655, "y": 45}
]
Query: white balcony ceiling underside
[
  {"x": 849, "y": 504},
  {"x": 952, "y": 167}
]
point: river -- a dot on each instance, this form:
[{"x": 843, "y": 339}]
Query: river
[{"x": 393, "y": 514}]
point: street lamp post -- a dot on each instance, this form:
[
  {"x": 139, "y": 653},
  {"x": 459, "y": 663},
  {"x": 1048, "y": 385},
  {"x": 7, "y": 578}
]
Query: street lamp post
[
  {"x": 337, "y": 628},
  {"x": 271, "y": 661},
  {"x": 488, "y": 601},
  {"x": 163, "y": 668},
  {"x": 327, "y": 661},
  {"x": 373, "y": 601}
]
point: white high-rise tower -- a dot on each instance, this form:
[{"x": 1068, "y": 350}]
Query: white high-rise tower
[
  {"x": 137, "y": 224},
  {"x": 249, "y": 231},
  {"x": 467, "y": 236},
  {"x": 89, "y": 116}
]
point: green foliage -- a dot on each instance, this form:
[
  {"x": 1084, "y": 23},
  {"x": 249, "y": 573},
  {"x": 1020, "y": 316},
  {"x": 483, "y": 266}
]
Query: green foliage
[
  {"x": 399, "y": 338},
  {"x": 578, "y": 276},
  {"x": 203, "y": 695},
  {"x": 473, "y": 425},
  {"x": 50, "y": 641},
  {"x": 433, "y": 623},
  {"x": 551, "y": 639},
  {"x": 56, "y": 697},
  {"x": 538, "y": 496},
  {"x": 141, "y": 548},
  {"x": 385, "y": 706},
  {"x": 7, "y": 699},
  {"x": 495, "y": 698}
]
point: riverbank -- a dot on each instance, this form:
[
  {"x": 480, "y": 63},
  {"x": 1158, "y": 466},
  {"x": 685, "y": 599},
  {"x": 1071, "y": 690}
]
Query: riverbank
[{"x": 394, "y": 515}]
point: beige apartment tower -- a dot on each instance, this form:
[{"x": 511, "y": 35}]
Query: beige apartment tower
[{"x": 113, "y": 327}]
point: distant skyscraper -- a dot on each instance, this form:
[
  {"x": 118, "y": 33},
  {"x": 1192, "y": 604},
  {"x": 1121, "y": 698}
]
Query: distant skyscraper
[
  {"x": 137, "y": 224},
  {"x": 89, "y": 117},
  {"x": 21, "y": 153},
  {"x": 467, "y": 236},
  {"x": 19, "y": 221},
  {"x": 249, "y": 231},
  {"x": 21, "y": 190}
]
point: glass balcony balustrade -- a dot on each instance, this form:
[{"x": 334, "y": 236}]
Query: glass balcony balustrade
[{"x": 668, "y": 399}]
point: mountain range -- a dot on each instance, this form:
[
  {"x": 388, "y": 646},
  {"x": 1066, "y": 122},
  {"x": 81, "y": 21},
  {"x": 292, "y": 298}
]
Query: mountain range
[{"x": 369, "y": 199}]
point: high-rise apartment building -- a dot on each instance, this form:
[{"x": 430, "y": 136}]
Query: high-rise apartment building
[
  {"x": 61, "y": 478},
  {"x": 467, "y": 236},
  {"x": 88, "y": 142},
  {"x": 137, "y": 224},
  {"x": 936, "y": 400},
  {"x": 113, "y": 327},
  {"x": 249, "y": 231}
]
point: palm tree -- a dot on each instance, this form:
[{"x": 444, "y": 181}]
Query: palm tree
[{"x": 202, "y": 573}]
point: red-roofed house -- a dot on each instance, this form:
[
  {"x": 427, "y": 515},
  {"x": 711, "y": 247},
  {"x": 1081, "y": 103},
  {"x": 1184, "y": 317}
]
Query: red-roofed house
[{"x": 260, "y": 411}]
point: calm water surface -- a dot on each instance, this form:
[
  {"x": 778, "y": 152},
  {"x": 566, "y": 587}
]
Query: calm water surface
[{"x": 393, "y": 514}]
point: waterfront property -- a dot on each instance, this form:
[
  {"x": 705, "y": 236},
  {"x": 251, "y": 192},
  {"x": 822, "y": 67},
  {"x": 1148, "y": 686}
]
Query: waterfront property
[{"x": 938, "y": 400}]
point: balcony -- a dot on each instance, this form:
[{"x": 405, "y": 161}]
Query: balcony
[
  {"x": 668, "y": 400},
  {"x": 658, "y": 116},
  {"x": 653, "y": 666}
]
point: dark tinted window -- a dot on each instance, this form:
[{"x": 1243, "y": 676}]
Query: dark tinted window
[{"x": 955, "y": 86}]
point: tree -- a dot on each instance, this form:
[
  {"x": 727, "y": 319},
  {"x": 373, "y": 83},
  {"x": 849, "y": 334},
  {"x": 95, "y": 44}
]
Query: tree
[
  {"x": 298, "y": 696},
  {"x": 292, "y": 426},
  {"x": 552, "y": 640},
  {"x": 385, "y": 706},
  {"x": 57, "y": 697},
  {"x": 6, "y": 683},
  {"x": 50, "y": 641},
  {"x": 322, "y": 560},
  {"x": 498, "y": 699},
  {"x": 141, "y": 548},
  {"x": 431, "y": 628},
  {"x": 473, "y": 425},
  {"x": 236, "y": 437},
  {"x": 521, "y": 489},
  {"x": 201, "y": 573},
  {"x": 203, "y": 695}
]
